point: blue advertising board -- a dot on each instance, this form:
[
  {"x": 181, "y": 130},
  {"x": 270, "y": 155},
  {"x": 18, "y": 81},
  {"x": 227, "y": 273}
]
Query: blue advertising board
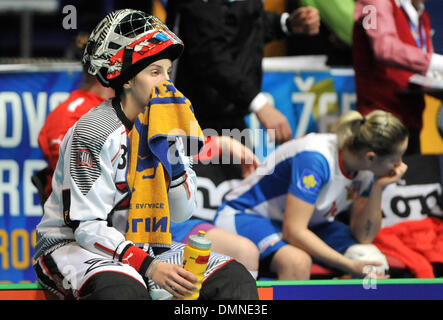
[
  {"x": 311, "y": 100},
  {"x": 25, "y": 100}
]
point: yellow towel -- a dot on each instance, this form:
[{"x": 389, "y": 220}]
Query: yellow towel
[{"x": 168, "y": 115}]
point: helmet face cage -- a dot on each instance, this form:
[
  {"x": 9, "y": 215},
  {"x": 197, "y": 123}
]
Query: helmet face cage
[{"x": 143, "y": 34}]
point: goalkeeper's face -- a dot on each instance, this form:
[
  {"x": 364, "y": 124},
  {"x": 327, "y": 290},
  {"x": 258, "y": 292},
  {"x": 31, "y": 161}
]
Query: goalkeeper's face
[{"x": 140, "y": 87}]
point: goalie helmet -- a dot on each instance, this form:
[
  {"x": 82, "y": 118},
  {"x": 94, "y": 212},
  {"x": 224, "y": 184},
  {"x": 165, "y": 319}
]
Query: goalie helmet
[{"x": 124, "y": 43}]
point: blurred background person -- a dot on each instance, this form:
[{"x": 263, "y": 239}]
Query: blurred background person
[
  {"x": 289, "y": 212},
  {"x": 220, "y": 70},
  {"x": 335, "y": 36},
  {"x": 392, "y": 41}
]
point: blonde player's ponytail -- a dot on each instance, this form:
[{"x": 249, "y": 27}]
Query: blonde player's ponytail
[{"x": 379, "y": 131}]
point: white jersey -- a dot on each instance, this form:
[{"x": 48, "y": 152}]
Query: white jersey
[
  {"x": 90, "y": 198},
  {"x": 309, "y": 168}
]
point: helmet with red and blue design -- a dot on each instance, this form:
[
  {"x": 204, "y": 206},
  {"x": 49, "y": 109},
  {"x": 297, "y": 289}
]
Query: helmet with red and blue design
[{"x": 124, "y": 43}]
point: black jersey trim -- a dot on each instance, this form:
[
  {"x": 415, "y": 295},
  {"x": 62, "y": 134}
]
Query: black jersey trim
[{"x": 120, "y": 114}]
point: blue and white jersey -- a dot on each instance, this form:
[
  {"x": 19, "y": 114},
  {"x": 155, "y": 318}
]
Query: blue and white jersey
[{"x": 309, "y": 168}]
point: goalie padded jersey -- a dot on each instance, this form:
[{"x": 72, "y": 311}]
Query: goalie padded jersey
[
  {"x": 90, "y": 195},
  {"x": 90, "y": 199}
]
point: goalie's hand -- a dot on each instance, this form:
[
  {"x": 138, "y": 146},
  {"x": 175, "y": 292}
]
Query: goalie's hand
[
  {"x": 173, "y": 278},
  {"x": 393, "y": 175}
]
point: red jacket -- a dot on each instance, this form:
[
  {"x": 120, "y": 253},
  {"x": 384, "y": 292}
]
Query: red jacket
[
  {"x": 58, "y": 122},
  {"x": 378, "y": 83},
  {"x": 417, "y": 243}
]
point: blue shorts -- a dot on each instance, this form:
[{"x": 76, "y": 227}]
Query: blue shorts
[
  {"x": 267, "y": 234},
  {"x": 181, "y": 231}
]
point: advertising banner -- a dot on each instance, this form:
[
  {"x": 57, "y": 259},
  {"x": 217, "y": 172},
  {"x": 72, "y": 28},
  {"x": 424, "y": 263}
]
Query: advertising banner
[
  {"x": 25, "y": 100},
  {"x": 311, "y": 100}
]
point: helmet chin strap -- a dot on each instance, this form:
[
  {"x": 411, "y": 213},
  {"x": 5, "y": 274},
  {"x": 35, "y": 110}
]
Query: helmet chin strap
[
  {"x": 127, "y": 59},
  {"x": 104, "y": 81}
]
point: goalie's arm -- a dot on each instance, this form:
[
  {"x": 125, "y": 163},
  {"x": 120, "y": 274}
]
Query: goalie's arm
[{"x": 182, "y": 196}]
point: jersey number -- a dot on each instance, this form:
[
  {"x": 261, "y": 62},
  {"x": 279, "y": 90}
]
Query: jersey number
[{"x": 122, "y": 164}]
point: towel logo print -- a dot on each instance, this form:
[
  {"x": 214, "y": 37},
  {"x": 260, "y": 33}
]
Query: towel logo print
[
  {"x": 167, "y": 116},
  {"x": 84, "y": 158}
]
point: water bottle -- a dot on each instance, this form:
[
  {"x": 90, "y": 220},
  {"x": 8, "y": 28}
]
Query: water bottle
[{"x": 195, "y": 259}]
